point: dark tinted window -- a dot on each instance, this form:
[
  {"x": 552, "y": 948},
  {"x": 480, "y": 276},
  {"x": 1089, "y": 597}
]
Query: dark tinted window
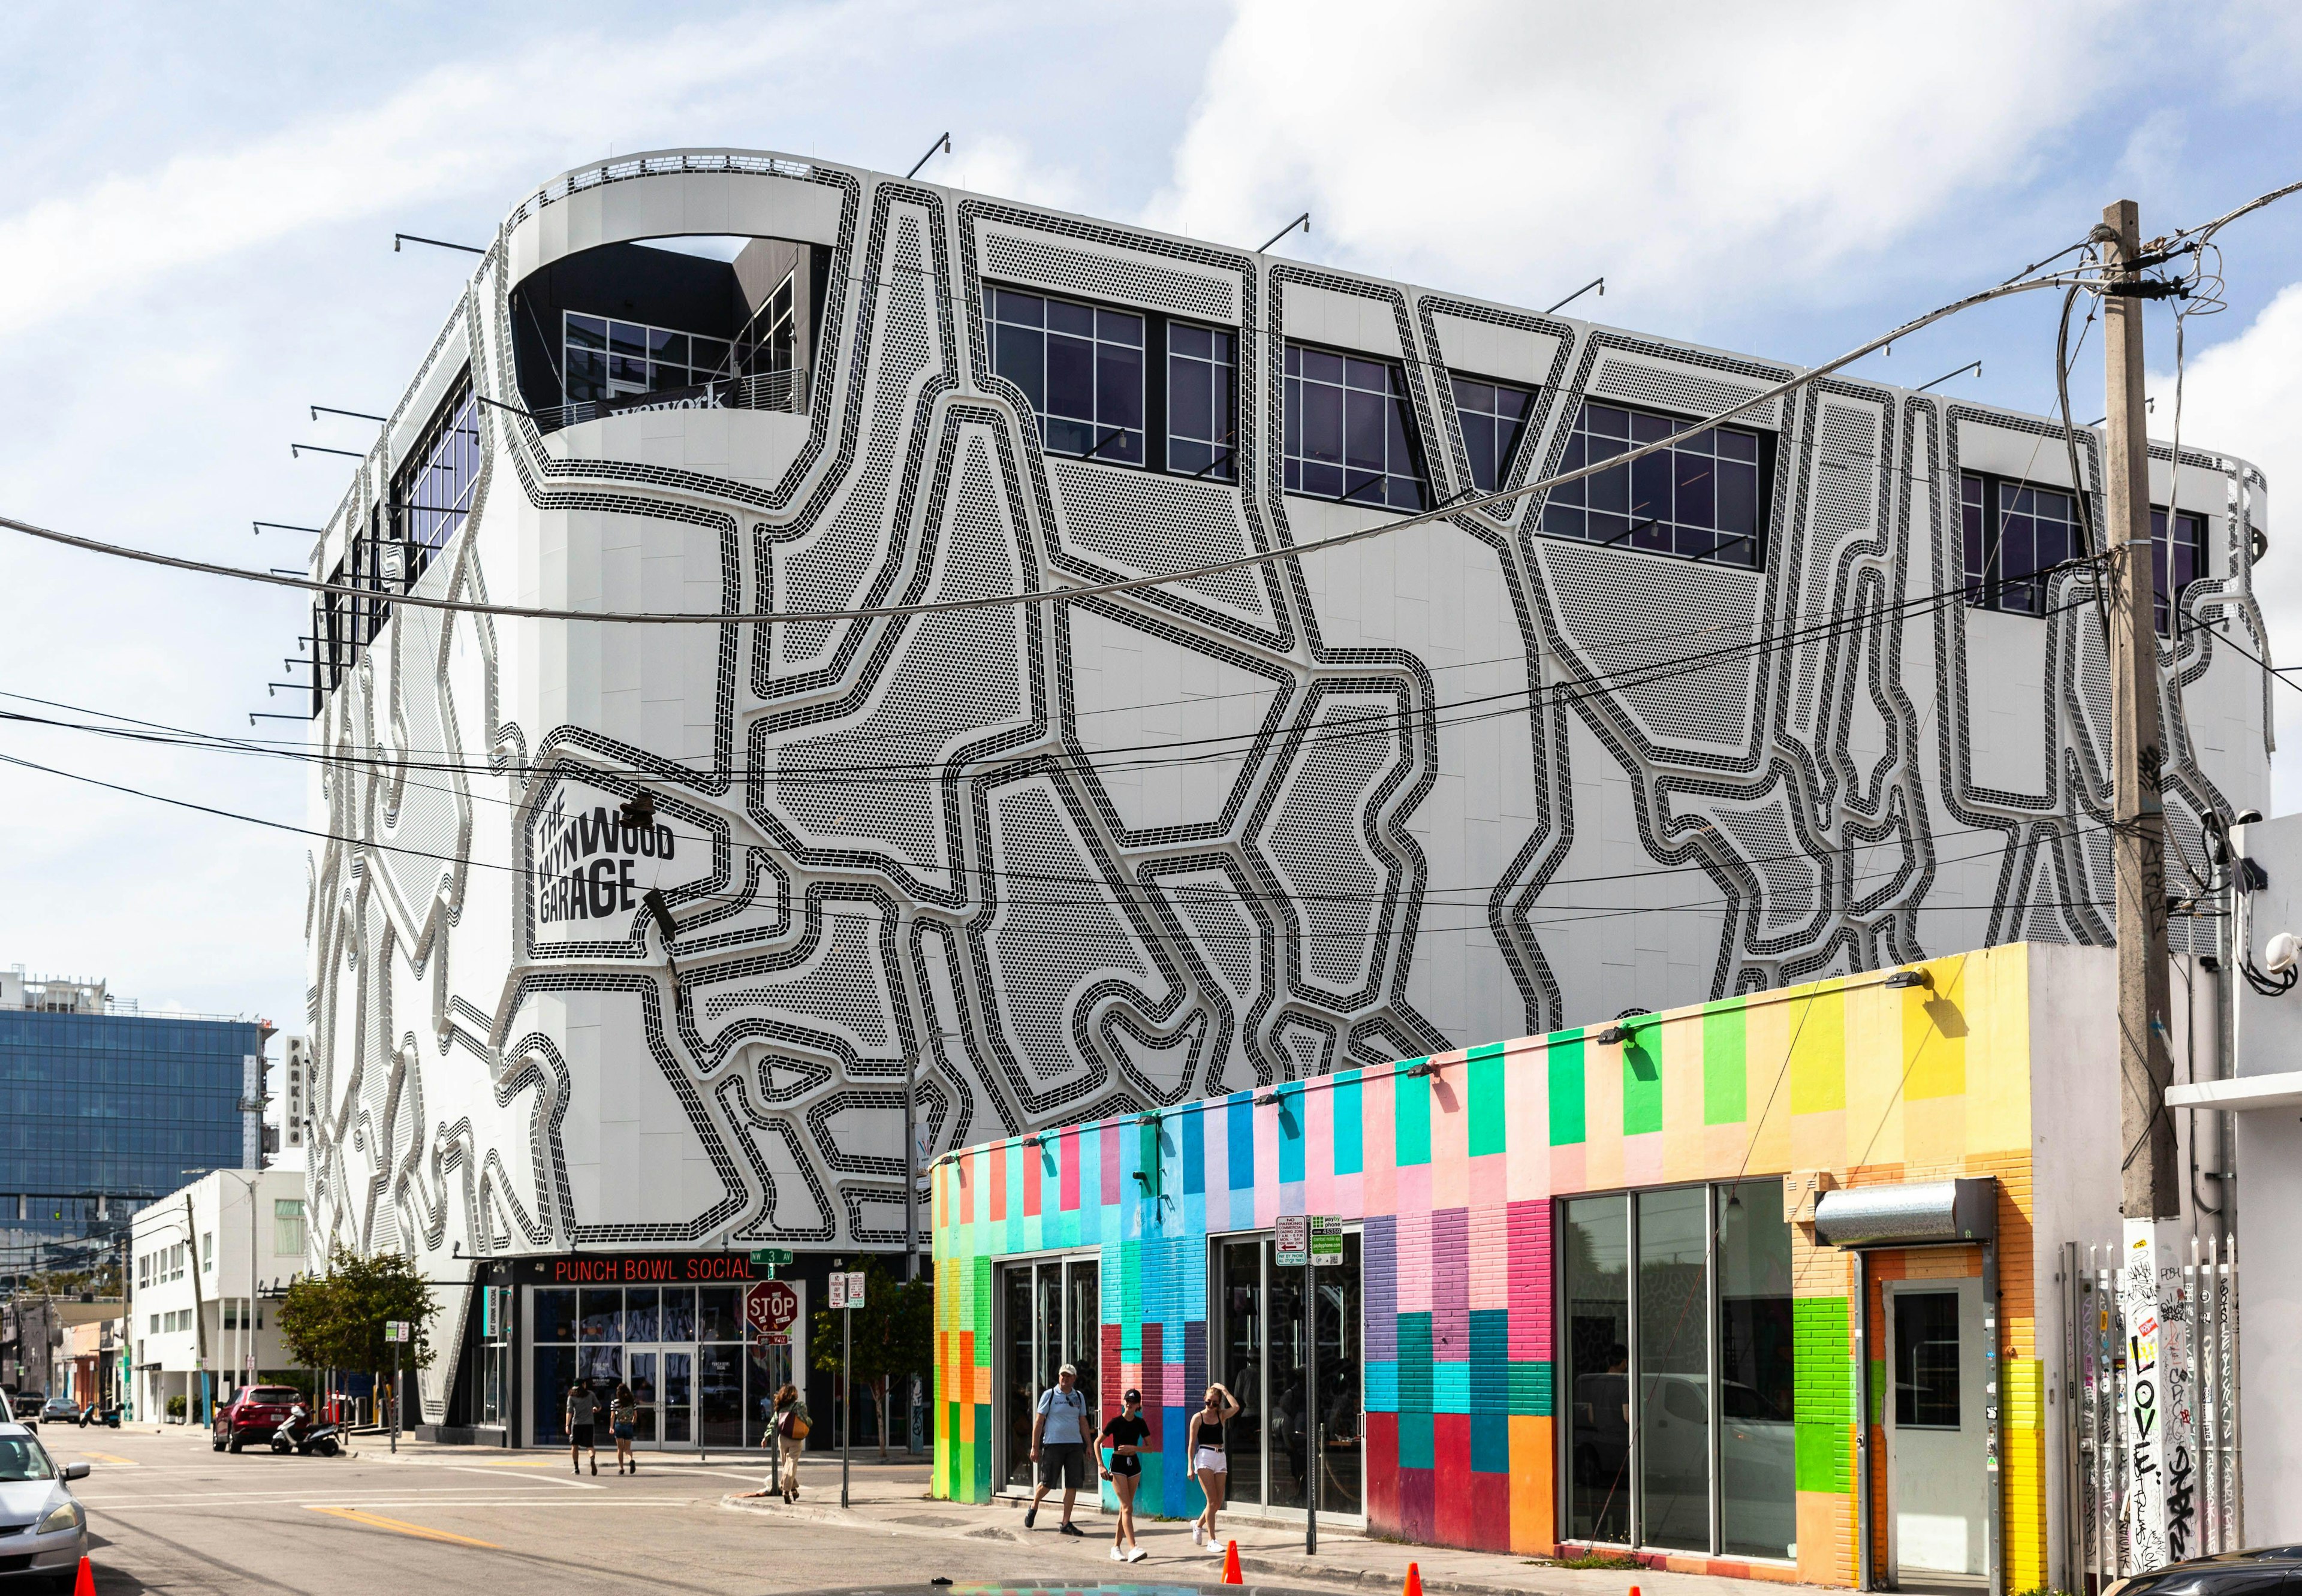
[
  {"x": 1698, "y": 498},
  {"x": 555, "y": 1312},
  {"x": 1202, "y": 400},
  {"x": 1347, "y": 435},
  {"x": 1926, "y": 1360},
  {"x": 1494, "y": 418},
  {"x": 1080, "y": 366},
  {"x": 2175, "y": 562}
]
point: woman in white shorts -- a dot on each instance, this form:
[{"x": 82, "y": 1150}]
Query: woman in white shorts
[{"x": 1209, "y": 1461}]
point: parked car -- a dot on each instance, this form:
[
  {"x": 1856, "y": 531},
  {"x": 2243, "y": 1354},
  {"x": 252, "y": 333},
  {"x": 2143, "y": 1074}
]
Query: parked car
[
  {"x": 2258, "y": 1572},
  {"x": 26, "y": 1405},
  {"x": 36, "y": 1493},
  {"x": 60, "y": 1410},
  {"x": 252, "y": 1415}
]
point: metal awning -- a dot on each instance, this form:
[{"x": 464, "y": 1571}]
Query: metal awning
[
  {"x": 1923, "y": 1213},
  {"x": 2240, "y": 1093}
]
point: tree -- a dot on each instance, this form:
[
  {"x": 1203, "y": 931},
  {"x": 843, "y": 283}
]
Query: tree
[
  {"x": 893, "y": 1336},
  {"x": 335, "y": 1321}
]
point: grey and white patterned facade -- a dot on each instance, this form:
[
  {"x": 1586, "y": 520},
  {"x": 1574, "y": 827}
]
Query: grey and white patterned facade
[{"x": 1457, "y": 784}]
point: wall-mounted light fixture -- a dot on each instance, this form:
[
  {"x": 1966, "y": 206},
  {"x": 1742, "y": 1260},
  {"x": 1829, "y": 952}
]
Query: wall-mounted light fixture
[
  {"x": 1911, "y": 978},
  {"x": 1613, "y": 1034},
  {"x": 1425, "y": 1066},
  {"x": 1267, "y": 1100}
]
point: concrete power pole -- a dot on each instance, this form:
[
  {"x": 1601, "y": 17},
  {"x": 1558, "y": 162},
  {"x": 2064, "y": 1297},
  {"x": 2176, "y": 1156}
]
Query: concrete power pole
[{"x": 2160, "y": 1451}]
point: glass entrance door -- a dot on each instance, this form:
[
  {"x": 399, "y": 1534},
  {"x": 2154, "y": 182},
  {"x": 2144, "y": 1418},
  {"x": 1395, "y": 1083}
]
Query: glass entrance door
[
  {"x": 1292, "y": 1418},
  {"x": 1051, "y": 1314}
]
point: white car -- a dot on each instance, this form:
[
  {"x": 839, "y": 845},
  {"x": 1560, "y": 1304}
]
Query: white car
[{"x": 43, "y": 1528}]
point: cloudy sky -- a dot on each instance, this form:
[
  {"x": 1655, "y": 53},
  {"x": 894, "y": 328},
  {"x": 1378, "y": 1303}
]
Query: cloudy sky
[{"x": 195, "y": 246}]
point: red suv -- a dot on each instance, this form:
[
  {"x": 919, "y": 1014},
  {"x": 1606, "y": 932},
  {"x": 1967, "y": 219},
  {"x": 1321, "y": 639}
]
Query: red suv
[{"x": 253, "y": 1415}]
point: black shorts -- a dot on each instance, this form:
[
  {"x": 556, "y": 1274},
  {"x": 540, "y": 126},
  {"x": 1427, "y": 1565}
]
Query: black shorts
[
  {"x": 1064, "y": 1464},
  {"x": 1127, "y": 1462},
  {"x": 580, "y": 1435}
]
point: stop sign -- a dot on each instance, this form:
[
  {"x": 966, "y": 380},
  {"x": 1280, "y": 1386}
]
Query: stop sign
[{"x": 771, "y": 1307}]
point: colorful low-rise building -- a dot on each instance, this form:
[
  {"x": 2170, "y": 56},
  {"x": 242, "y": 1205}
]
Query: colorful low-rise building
[{"x": 1645, "y": 1284}]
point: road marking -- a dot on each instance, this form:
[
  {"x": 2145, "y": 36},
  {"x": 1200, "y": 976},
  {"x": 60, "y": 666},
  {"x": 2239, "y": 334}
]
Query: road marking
[
  {"x": 462, "y": 1469},
  {"x": 115, "y": 1462},
  {"x": 537, "y": 1463},
  {"x": 401, "y": 1527}
]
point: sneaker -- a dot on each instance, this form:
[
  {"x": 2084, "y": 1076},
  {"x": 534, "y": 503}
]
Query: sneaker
[
  {"x": 1136, "y": 1554},
  {"x": 595, "y": 1467},
  {"x": 1030, "y": 1516},
  {"x": 1118, "y": 1555},
  {"x": 1068, "y": 1528},
  {"x": 1199, "y": 1533}
]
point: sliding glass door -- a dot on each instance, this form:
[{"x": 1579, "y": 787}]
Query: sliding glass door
[{"x": 1677, "y": 1307}]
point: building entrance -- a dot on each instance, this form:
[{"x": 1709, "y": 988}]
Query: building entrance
[
  {"x": 1051, "y": 1314},
  {"x": 1258, "y": 1343},
  {"x": 682, "y": 1349},
  {"x": 1937, "y": 1481}
]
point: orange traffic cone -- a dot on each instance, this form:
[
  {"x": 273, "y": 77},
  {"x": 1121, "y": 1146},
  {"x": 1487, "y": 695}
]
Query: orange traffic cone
[
  {"x": 86, "y": 1584},
  {"x": 1231, "y": 1576},
  {"x": 1635, "y": 1590},
  {"x": 1413, "y": 1580}
]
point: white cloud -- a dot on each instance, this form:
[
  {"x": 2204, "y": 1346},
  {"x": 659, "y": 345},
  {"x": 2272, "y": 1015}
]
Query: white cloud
[
  {"x": 1687, "y": 151},
  {"x": 2244, "y": 396},
  {"x": 457, "y": 129}
]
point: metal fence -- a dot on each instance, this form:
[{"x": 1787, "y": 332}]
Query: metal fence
[{"x": 2199, "y": 1357}]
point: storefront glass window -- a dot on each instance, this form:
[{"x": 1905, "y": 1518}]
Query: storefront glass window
[
  {"x": 679, "y": 1348},
  {"x": 1673, "y": 1353},
  {"x": 1595, "y": 1248},
  {"x": 1758, "y": 1487},
  {"x": 1052, "y": 1314},
  {"x": 1713, "y": 1292}
]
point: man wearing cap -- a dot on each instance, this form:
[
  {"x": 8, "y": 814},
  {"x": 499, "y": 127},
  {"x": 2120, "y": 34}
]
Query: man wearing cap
[{"x": 1059, "y": 1442}]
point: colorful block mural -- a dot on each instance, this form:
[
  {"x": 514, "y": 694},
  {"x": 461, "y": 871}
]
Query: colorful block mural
[{"x": 1454, "y": 1174}]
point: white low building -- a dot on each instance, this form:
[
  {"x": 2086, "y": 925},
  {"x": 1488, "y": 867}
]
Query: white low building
[{"x": 208, "y": 1273}]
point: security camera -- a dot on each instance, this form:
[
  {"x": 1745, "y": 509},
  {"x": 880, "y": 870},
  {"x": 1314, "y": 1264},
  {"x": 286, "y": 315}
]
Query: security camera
[{"x": 2283, "y": 953}]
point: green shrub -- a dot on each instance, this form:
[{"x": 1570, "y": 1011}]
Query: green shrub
[{"x": 175, "y": 1407}]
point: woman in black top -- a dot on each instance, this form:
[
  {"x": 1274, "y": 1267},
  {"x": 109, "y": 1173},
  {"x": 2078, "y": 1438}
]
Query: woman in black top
[
  {"x": 1208, "y": 1460},
  {"x": 1122, "y": 1437}
]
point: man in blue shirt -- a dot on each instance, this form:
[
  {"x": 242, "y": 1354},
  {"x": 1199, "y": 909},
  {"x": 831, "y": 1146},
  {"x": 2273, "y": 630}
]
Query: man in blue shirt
[{"x": 1059, "y": 1442}]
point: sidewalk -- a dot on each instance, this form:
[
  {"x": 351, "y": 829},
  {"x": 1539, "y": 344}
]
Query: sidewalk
[{"x": 894, "y": 1498}]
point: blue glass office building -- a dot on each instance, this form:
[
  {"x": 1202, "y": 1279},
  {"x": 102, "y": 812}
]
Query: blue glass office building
[{"x": 104, "y": 1111}]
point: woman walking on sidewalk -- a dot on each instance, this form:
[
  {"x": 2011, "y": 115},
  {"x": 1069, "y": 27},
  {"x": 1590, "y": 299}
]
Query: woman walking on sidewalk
[
  {"x": 1209, "y": 1461},
  {"x": 1123, "y": 1436},
  {"x": 623, "y": 1421},
  {"x": 789, "y": 1428}
]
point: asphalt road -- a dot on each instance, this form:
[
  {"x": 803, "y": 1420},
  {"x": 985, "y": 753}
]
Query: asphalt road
[{"x": 166, "y": 1514}]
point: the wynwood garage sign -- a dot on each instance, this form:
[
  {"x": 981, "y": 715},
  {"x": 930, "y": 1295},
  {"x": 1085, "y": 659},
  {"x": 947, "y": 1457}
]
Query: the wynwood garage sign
[{"x": 591, "y": 864}]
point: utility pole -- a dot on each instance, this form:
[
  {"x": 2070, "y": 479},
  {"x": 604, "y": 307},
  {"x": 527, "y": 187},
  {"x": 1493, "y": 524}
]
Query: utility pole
[
  {"x": 2147, "y": 1067},
  {"x": 2157, "y": 1354}
]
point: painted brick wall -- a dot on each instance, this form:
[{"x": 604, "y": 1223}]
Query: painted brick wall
[{"x": 1453, "y": 1175}]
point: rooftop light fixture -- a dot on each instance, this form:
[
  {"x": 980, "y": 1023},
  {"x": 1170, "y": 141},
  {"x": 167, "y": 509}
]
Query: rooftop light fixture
[
  {"x": 1303, "y": 222},
  {"x": 320, "y": 410}
]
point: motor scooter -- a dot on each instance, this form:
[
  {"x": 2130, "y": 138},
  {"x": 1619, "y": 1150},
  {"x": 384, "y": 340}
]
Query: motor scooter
[{"x": 299, "y": 1433}]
